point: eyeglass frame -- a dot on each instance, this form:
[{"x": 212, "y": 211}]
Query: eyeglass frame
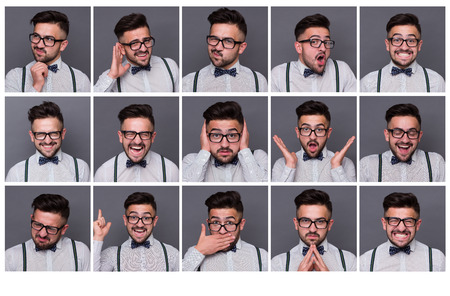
[
  {"x": 47, "y": 134},
  {"x": 152, "y": 39},
  {"x": 137, "y": 133},
  {"x": 401, "y": 220},
  {"x": 224, "y": 136},
  {"x": 313, "y": 130},
  {"x": 43, "y": 39},
  {"x": 315, "y": 225},
  {"x": 403, "y": 40},
  {"x": 140, "y": 219},
  {"x": 224, "y": 226},
  {"x": 391, "y": 131},
  {"x": 46, "y": 227},
  {"x": 310, "y": 40},
  {"x": 221, "y": 40}
]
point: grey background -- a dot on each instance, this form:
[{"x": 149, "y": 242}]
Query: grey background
[
  {"x": 163, "y": 23},
  {"x": 18, "y": 49},
  {"x": 110, "y": 200},
  {"x": 342, "y": 30},
  {"x": 18, "y": 210},
  {"x": 373, "y": 52},
  {"x": 432, "y": 213},
  {"x": 254, "y": 199},
  {"x": 372, "y": 113},
  {"x": 76, "y": 113},
  {"x": 255, "y": 115},
  {"x": 343, "y": 231},
  {"x": 106, "y": 125},
  {"x": 196, "y": 28},
  {"x": 343, "y": 122}
]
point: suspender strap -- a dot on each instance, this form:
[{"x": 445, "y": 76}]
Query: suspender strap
[
  {"x": 380, "y": 165},
  {"x": 372, "y": 260},
  {"x": 427, "y": 80},
  {"x": 74, "y": 82},
  {"x": 170, "y": 73},
  {"x": 288, "y": 67},
  {"x": 119, "y": 89},
  {"x": 256, "y": 81},
  {"x": 430, "y": 258},
  {"x": 77, "y": 175},
  {"x": 259, "y": 258},
  {"x": 337, "y": 74},
  {"x": 288, "y": 260},
  {"x": 24, "y": 73},
  {"x": 163, "y": 168},
  {"x": 26, "y": 170},
  {"x": 165, "y": 256},
  {"x": 75, "y": 257},
  {"x": 24, "y": 252},
  {"x": 430, "y": 172},
  {"x": 342, "y": 259},
  {"x": 118, "y": 257},
  {"x": 195, "y": 81},
  {"x": 115, "y": 168},
  {"x": 379, "y": 81}
]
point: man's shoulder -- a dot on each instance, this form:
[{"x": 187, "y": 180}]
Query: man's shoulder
[
  {"x": 192, "y": 74},
  {"x": 280, "y": 68},
  {"x": 346, "y": 254},
  {"x": 371, "y": 157}
]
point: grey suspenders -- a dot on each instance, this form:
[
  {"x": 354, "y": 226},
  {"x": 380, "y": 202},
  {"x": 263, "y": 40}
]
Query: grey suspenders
[
  {"x": 288, "y": 67},
  {"x": 430, "y": 259},
  {"x": 194, "y": 88},
  {"x": 75, "y": 256},
  {"x": 166, "y": 258},
  {"x": 380, "y": 170},
  {"x": 341, "y": 254},
  {"x": 163, "y": 168},
  {"x": 427, "y": 80},
  {"x": 77, "y": 175},
  {"x": 74, "y": 82}
]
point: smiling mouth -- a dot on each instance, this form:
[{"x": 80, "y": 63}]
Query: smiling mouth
[
  {"x": 136, "y": 149},
  {"x": 404, "y": 149},
  {"x": 141, "y": 54}
]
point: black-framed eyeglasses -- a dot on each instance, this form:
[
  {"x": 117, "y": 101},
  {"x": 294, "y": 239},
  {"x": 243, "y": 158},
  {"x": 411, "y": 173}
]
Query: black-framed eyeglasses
[
  {"x": 41, "y": 135},
  {"x": 215, "y": 226},
  {"x": 136, "y": 45},
  {"x": 218, "y": 137},
  {"x": 49, "y": 41},
  {"x": 398, "y": 133},
  {"x": 131, "y": 135},
  {"x": 306, "y": 223},
  {"x": 228, "y": 43},
  {"x": 316, "y": 43},
  {"x": 395, "y": 221},
  {"x": 397, "y": 42},
  {"x": 146, "y": 220},
  {"x": 319, "y": 132},
  {"x": 50, "y": 229}
]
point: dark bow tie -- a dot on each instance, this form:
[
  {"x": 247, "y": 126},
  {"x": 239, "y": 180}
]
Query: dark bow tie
[
  {"x": 218, "y": 163},
  {"x": 306, "y": 157},
  {"x": 136, "y": 69},
  {"x": 396, "y": 71},
  {"x": 135, "y": 245},
  {"x": 53, "y": 68},
  {"x": 320, "y": 249},
  {"x": 395, "y": 250},
  {"x": 44, "y": 160},
  {"x": 309, "y": 72},
  {"x": 142, "y": 163},
  {"x": 219, "y": 72},
  {"x": 53, "y": 249},
  {"x": 395, "y": 160},
  {"x": 233, "y": 249}
]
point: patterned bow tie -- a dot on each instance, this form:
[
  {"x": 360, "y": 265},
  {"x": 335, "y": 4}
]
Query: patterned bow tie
[
  {"x": 396, "y": 71},
  {"x": 309, "y": 72},
  {"x": 233, "y": 249},
  {"x": 395, "y": 250},
  {"x": 135, "y": 245},
  {"x": 52, "y": 248},
  {"x": 306, "y": 157},
  {"x": 320, "y": 249},
  {"x": 219, "y": 72},
  {"x": 395, "y": 160},
  {"x": 44, "y": 160},
  {"x": 53, "y": 68},
  {"x": 218, "y": 163},
  {"x": 135, "y": 69},
  {"x": 142, "y": 163}
]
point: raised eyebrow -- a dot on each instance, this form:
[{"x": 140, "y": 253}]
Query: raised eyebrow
[
  {"x": 317, "y": 125},
  {"x": 400, "y": 35},
  {"x": 317, "y": 36},
  {"x": 223, "y": 218},
  {"x": 136, "y": 213}
]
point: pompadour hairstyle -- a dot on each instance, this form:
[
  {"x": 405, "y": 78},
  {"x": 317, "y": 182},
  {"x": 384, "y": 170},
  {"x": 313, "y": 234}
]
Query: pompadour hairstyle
[
  {"x": 136, "y": 111},
  {"x": 224, "y": 111},
  {"x": 227, "y": 16},
  {"x": 225, "y": 200},
  {"x": 52, "y": 17},
  {"x": 403, "y": 110},
  {"x": 313, "y": 108},
  {"x": 401, "y": 200},
  {"x": 402, "y": 19},
  {"x": 45, "y": 110},
  {"x": 314, "y": 197},
  {"x": 52, "y": 203},
  {"x": 130, "y": 22},
  {"x": 140, "y": 198},
  {"x": 315, "y": 20}
]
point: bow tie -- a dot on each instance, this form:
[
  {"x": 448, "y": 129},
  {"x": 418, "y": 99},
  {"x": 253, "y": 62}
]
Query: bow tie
[
  {"x": 44, "y": 160},
  {"x": 135, "y": 245},
  {"x": 396, "y": 71},
  {"x": 306, "y": 157},
  {"x": 320, "y": 249},
  {"x": 218, "y": 163},
  {"x": 309, "y": 72},
  {"x": 233, "y": 249},
  {"x": 53, "y": 249},
  {"x": 219, "y": 72},
  {"x": 395, "y": 160},
  {"x": 395, "y": 250},
  {"x": 136, "y": 69},
  {"x": 53, "y": 68},
  {"x": 142, "y": 163}
]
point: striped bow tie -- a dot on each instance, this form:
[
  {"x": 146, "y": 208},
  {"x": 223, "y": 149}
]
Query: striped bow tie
[
  {"x": 219, "y": 72},
  {"x": 396, "y": 71}
]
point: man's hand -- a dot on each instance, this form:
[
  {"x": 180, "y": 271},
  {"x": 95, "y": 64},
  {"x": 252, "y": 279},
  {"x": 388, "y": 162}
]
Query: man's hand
[
  {"x": 117, "y": 69},
  {"x": 336, "y": 160},
  {"x": 290, "y": 157},
  {"x": 245, "y": 137},
  {"x": 204, "y": 140},
  {"x": 312, "y": 261},
  {"x": 211, "y": 244},
  {"x": 39, "y": 72},
  {"x": 101, "y": 228}
]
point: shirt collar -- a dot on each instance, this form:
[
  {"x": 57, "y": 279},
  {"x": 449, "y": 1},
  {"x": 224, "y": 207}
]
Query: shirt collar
[
  {"x": 59, "y": 154},
  {"x": 413, "y": 66},
  {"x": 324, "y": 244},
  {"x": 236, "y": 65}
]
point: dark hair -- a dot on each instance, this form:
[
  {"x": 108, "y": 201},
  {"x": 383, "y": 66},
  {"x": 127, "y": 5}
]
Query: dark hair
[
  {"x": 403, "y": 110},
  {"x": 140, "y": 198},
  {"x": 45, "y": 110},
  {"x": 136, "y": 111},
  {"x": 224, "y": 111},
  {"x": 402, "y": 19},
  {"x": 52, "y": 17},
  {"x": 227, "y": 16},
  {"x": 225, "y": 200},
  {"x": 314, "y": 197},
  {"x": 315, "y": 20},
  {"x": 52, "y": 203},
  {"x": 313, "y": 108},
  {"x": 401, "y": 200},
  {"x": 130, "y": 22}
]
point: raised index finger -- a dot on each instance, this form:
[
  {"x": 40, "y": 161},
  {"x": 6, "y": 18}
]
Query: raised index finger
[{"x": 99, "y": 214}]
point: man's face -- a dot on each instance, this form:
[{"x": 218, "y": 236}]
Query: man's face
[
  {"x": 313, "y": 235},
  {"x": 403, "y": 148},
  {"x": 140, "y": 57},
  {"x": 46, "y": 54},
  {"x": 224, "y": 57},
  {"x": 311, "y": 57},
  {"x": 136, "y": 149},
  {"x": 224, "y": 151},
  {"x": 401, "y": 235},
  {"x": 140, "y": 232},
  {"x": 226, "y": 216},
  {"x": 312, "y": 144},
  {"x": 47, "y": 147},
  {"x": 403, "y": 56},
  {"x": 41, "y": 238}
]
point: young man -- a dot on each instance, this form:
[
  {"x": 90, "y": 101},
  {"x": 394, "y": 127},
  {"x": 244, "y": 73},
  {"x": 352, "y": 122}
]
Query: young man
[
  {"x": 140, "y": 72},
  {"x": 225, "y": 155},
  {"x": 141, "y": 252},
  {"x": 314, "y": 253},
  {"x": 402, "y": 252},
  {"x": 403, "y": 73},
  {"x": 314, "y": 71},
  {"x": 403, "y": 162},
  {"x": 48, "y": 250},
  {"x": 226, "y": 41},
  {"x": 48, "y": 73},
  {"x": 313, "y": 163},
  {"x": 223, "y": 250},
  {"x": 49, "y": 163},
  {"x": 137, "y": 163}
]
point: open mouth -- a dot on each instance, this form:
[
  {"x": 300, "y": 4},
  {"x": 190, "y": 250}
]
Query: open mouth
[
  {"x": 313, "y": 146},
  {"x": 404, "y": 149},
  {"x": 401, "y": 236},
  {"x": 136, "y": 150},
  {"x": 320, "y": 58},
  {"x": 139, "y": 232}
]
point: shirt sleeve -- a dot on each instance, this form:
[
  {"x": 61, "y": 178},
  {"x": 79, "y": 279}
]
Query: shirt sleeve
[
  {"x": 348, "y": 78},
  {"x": 439, "y": 165},
  {"x": 438, "y": 260},
  {"x": 194, "y": 166},
  {"x": 15, "y": 174},
  {"x": 192, "y": 259},
  {"x": 84, "y": 257},
  {"x": 83, "y": 170},
  {"x": 13, "y": 80},
  {"x": 171, "y": 170},
  {"x": 279, "y": 262},
  {"x": 188, "y": 82},
  {"x": 83, "y": 82},
  {"x": 175, "y": 74},
  {"x": 344, "y": 173},
  {"x": 104, "y": 83},
  {"x": 276, "y": 78},
  {"x": 254, "y": 165},
  {"x": 282, "y": 173},
  {"x": 12, "y": 257},
  {"x": 262, "y": 82}
]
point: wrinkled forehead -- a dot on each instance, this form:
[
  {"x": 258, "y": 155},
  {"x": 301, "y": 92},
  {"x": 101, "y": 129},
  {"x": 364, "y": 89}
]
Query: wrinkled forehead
[
  {"x": 313, "y": 120},
  {"x": 224, "y": 125},
  {"x": 404, "y": 31},
  {"x": 402, "y": 213},
  {"x": 140, "y": 209},
  {"x": 224, "y": 214}
]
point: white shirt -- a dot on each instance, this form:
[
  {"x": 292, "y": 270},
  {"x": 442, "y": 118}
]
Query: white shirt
[
  {"x": 46, "y": 260},
  {"x": 314, "y": 170},
  {"x": 314, "y": 82},
  {"x": 244, "y": 259},
  {"x": 64, "y": 171},
  {"x": 153, "y": 172},
  {"x": 137, "y": 259},
  {"x": 61, "y": 81},
  {"x": 401, "y": 82},
  {"x": 417, "y": 260},
  {"x": 199, "y": 167},
  {"x": 243, "y": 82},
  {"x": 417, "y": 171},
  {"x": 156, "y": 80},
  {"x": 330, "y": 257}
]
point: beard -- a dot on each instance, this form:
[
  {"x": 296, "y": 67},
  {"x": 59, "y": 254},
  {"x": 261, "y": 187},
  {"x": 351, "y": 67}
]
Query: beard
[{"x": 46, "y": 58}]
